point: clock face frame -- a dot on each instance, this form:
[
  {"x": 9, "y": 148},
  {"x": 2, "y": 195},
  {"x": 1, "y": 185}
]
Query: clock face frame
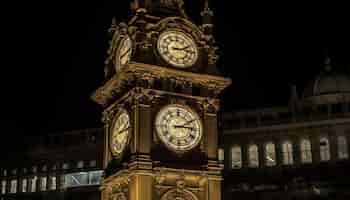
[
  {"x": 124, "y": 52},
  {"x": 120, "y": 133},
  {"x": 177, "y": 48},
  {"x": 178, "y": 127}
]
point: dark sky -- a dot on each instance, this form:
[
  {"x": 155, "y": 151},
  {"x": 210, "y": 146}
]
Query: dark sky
[{"x": 53, "y": 54}]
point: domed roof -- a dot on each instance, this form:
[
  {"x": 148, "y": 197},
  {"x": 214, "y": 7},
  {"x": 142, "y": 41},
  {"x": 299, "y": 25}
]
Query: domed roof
[{"x": 328, "y": 87}]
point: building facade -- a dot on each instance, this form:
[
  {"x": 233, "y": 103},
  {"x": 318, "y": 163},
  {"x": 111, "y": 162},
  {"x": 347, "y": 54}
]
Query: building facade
[
  {"x": 65, "y": 165},
  {"x": 300, "y": 151}
]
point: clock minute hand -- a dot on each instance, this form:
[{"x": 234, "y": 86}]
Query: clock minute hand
[{"x": 188, "y": 122}]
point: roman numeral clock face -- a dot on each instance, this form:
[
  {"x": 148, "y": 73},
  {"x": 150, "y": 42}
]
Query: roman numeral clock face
[
  {"x": 124, "y": 52},
  {"x": 178, "y": 127},
  {"x": 120, "y": 133},
  {"x": 177, "y": 48}
]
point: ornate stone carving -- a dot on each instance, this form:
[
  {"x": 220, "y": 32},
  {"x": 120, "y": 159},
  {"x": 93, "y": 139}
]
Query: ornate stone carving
[{"x": 211, "y": 105}]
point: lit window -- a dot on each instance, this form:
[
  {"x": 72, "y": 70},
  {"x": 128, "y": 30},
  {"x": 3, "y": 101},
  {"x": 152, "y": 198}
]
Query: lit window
[
  {"x": 270, "y": 154},
  {"x": 5, "y": 172},
  {"x": 76, "y": 179},
  {"x": 3, "y": 187},
  {"x": 221, "y": 155},
  {"x": 13, "y": 184},
  {"x": 52, "y": 182},
  {"x": 24, "y": 185},
  {"x": 80, "y": 164},
  {"x": 95, "y": 177},
  {"x": 43, "y": 183},
  {"x": 305, "y": 149},
  {"x": 342, "y": 147},
  {"x": 253, "y": 156},
  {"x": 92, "y": 163},
  {"x": 33, "y": 182},
  {"x": 287, "y": 151},
  {"x": 80, "y": 179},
  {"x": 324, "y": 149},
  {"x": 236, "y": 155},
  {"x": 44, "y": 168}
]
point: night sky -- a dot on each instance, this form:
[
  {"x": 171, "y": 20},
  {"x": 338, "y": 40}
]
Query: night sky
[{"x": 55, "y": 51}]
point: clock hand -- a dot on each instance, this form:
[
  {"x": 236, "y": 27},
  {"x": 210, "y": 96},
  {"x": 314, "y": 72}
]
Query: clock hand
[
  {"x": 187, "y": 127},
  {"x": 123, "y": 130},
  {"x": 180, "y": 49},
  {"x": 188, "y": 122}
]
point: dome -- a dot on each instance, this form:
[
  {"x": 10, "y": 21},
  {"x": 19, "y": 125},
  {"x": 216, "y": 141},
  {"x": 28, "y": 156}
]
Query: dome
[{"x": 328, "y": 88}]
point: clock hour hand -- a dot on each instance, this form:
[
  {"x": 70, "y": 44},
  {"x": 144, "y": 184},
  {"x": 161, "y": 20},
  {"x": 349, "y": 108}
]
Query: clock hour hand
[
  {"x": 123, "y": 130},
  {"x": 188, "y": 127},
  {"x": 180, "y": 49}
]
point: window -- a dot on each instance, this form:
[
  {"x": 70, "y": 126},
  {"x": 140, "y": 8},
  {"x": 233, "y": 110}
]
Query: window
[
  {"x": 253, "y": 156},
  {"x": 52, "y": 183},
  {"x": 43, "y": 183},
  {"x": 33, "y": 182},
  {"x": 13, "y": 188},
  {"x": 287, "y": 153},
  {"x": 270, "y": 154},
  {"x": 92, "y": 163},
  {"x": 305, "y": 149},
  {"x": 14, "y": 171},
  {"x": 80, "y": 164},
  {"x": 35, "y": 169},
  {"x": 82, "y": 179},
  {"x": 24, "y": 185},
  {"x": 324, "y": 149},
  {"x": 44, "y": 168},
  {"x": 221, "y": 155},
  {"x": 65, "y": 166},
  {"x": 76, "y": 179},
  {"x": 3, "y": 187},
  {"x": 95, "y": 177},
  {"x": 4, "y": 172},
  {"x": 236, "y": 155},
  {"x": 342, "y": 147}
]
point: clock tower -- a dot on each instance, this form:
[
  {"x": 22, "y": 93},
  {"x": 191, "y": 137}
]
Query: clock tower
[{"x": 160, "y": 100}]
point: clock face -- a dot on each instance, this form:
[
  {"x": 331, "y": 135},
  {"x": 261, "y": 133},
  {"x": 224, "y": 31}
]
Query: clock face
[
  {"x": 177, "y": 48},
  {"x": 178, "y": 127},
  {"x": 120, "y": 133},
  {"x": 124, "y": 52}
]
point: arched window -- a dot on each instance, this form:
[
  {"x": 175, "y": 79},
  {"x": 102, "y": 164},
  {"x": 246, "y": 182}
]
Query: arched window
[
  {"x": 270, "y": 154},
  {"x": 287, "y": 153},
  {"x": 325, "y": 154},
  {"x": 221, "y": 155},
  {"x": 253, "y": 156},
  {"x": 343, "y": 152},
  {"x": 236, "y": 155},
  {"x": 305, "y": 149}
]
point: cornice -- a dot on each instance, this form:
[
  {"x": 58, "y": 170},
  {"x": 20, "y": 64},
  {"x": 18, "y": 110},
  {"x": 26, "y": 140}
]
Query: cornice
[{"x": 149, "y": 73}]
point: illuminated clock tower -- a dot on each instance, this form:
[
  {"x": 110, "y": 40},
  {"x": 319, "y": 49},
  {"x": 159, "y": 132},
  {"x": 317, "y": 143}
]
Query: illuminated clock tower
[{"x": 160, "y": 101}]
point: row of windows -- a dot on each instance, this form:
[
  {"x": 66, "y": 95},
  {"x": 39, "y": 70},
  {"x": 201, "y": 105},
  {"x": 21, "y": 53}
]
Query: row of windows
[
  {"x": 44, "y": 183},
  {"x": 287, "y": 152},
  {"x": 44, "y": 168}
]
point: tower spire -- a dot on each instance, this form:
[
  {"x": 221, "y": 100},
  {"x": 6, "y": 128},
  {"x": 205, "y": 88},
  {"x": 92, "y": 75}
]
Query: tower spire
[{"x": 207, "y": 15}]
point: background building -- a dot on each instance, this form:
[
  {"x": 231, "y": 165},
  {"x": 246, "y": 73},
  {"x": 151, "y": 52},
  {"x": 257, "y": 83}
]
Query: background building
[{"x": 62, "y": 165}]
